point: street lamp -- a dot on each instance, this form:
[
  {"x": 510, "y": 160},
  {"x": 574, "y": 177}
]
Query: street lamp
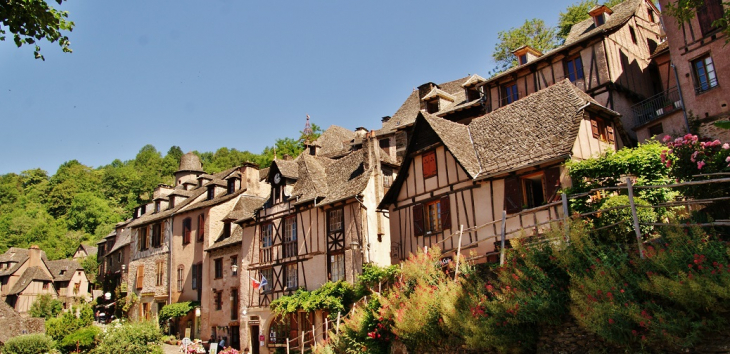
[
  {"x": 197, "y": 312},
  {"x": 124, "y": 268},
  {"x": 107, "y": 296},
  {"x": 234, "y": 268}
]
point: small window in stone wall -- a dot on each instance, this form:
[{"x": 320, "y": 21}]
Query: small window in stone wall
[{"x": 655, "y": 130}]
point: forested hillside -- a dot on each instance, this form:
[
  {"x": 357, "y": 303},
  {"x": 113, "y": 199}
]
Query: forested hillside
[{"x": 81, "y": 203}]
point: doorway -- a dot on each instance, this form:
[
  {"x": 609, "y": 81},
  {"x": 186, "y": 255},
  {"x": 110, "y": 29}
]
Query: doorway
[
  {"x": 235, "y": 338},
  {"x": 255, "y": 340}
]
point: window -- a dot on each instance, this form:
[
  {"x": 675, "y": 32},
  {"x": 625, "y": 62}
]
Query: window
[
  {"x": 201, "y": 227},
  {"x": 119, "y": 256},
  {"x": 285, "y": 327},
  {"x": 655, "y": 130},
  {"x": 600, "y": 20},
  {"x": 142, "y": 238},
  {"x": 180, "y": 277},
  {"x": 523, "y": 59},
  {"x": 267, "y": 274},
  {"x": 291, "y": 274},
  {"x": 140, "y": 277},
  {"x": 473, "y": 93},
  {"x": 218, "y": 268},
  {"x": 509, "y": 94},
  {"x": 77, "y": 287},
  {"x": 534, "y": 190},
  {"x": 432, "y": 217},
  {"x": 186, "y": 231},
  {"x": 156, "y": 235},
  {"x": 211, "y": 192},
  {"x": 334, "y": 218},
  {"x": 574, "y": 69},
  {"x": 234, "y": 262},
  {"x": 602, "y": 131},
  {"x": 218, "y": 298},
  {"x": 267, "y": 241},
  {"x": 226, "y": 230},
  {"x": 651, "y": 15},
  {"x": 157, "y": 206},
  {"x": 704, "y": 72},
  {"x": 337, "y": 267},
  {"x": 711, "y": 11},
  {"x": 171, "y": 202},
  {"x": 45, "y": 286},
  {"x": 384, "y": 144},
  {"x": 160, "y": 273},
  {"x": 387, "y": 177},
  {"x": 290, "y": 237},
  {"x": 231, "y": 185},
  {"x": 194, "y": 279},
  {"x": 145, "y": 308},
  {"x": 234, "y": 304},
  {"x": 633, "y": 34},
  {"x": 428, "y": 162},
  {"x": 432, "y": 106}
]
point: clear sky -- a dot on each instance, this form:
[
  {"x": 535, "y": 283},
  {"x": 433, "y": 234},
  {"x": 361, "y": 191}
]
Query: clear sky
[{"x": 239, "y": 74}]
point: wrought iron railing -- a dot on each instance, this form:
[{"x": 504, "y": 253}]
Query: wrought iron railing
[{"x": 656, "y": 106}]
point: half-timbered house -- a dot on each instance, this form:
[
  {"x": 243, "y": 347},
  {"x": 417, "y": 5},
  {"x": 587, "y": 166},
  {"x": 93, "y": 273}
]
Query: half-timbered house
[
  {"x": 456, "y": 175},
  {"x": 319, "y": 224}
]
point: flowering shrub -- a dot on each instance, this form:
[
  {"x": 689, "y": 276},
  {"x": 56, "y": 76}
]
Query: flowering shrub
[{"x": 688, "y": 156}]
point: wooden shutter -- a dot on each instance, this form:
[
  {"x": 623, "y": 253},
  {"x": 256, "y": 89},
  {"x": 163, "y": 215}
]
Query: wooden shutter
[
  {"x": 140, "y": 276},
  {"x": 609, "y": 132},
  {"x": 552, "y": 183},
  {"x": 418, "y": 220},
  {"x": 512, "y": 195},
  {"x": 428, "y": 160},
  {"x": 445, "y": 213},
  {"x": 594, "y": 129}
]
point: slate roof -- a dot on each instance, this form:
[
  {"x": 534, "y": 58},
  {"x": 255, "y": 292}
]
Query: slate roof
[
  {"x": 661, "y": 48},
  {"x": 408, "y": 112},
  {"x": 18, "y": 256},
  {"x": 334, "y": 141},
  {"x": 537, "y": 128},
  {"x": 245, "y": 208},
  {"x": 68, "y": 266},
  {"x": 124, "y": 239},
  {"x": 263, "y": 173},
  {"x": 288, "y": 168},
  {"x": 584, "y": 30},
  {"x": 28, "y": 276},
  {"x": 190, "y": 162},
  {"x": 91, "y": 250}
]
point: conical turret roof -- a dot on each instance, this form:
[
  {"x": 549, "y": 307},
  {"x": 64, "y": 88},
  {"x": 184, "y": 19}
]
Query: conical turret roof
[{"x": 190, "y": 162}]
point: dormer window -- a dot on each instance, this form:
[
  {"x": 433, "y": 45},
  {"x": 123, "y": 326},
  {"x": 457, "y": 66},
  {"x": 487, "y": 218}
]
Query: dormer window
[
  {"x": 211, "y": 192},
  {"x": 432, "y": 106},
  {"x": 157, "y": 206},
  {"x": 523, "y": 59},
  {"x": 600, "y": 14},
  {"x": 172, "y": 202},
  {"x": 226, "y": 230},
  {"x": 473, "y": 93},
  {"x": 143, "y": 210},
  {"x": 231, "y": 185}
]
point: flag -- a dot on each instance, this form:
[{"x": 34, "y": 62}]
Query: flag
[
  {"x": 255, "y": 283},
  {"x": 264, "y": 282}
]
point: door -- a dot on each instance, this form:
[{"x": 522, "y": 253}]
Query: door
[
  {"x": 255, "y": 340},
  {"x": 235, "y": 338}
]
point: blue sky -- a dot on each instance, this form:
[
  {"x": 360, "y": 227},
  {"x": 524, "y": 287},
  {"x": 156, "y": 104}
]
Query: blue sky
[{"x": 239, "y": 74}]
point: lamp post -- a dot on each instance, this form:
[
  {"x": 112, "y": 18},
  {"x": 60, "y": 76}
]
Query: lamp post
[{"x": 234, "y": 268}]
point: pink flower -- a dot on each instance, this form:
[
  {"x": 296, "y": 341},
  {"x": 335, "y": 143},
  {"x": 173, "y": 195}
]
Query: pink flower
[
  {"x": 726, "y": 146},
  {"x": 700, "y": 164},
  {"x": 694, "y": 156},
  {"x": 716, "y": 143},
  {"x": 727, "y": 159},
  {"x": 667, "y": 138}
]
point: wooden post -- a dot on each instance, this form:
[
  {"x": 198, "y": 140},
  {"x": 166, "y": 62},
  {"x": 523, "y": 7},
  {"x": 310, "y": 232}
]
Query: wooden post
[
  {"x": 458, "y": 252},
  {"x": 301, "y": 346},
  {"x": 337, "y": 329},
  {"x": 635, "y": 216},
  {"x": 326, "y": 326},
  {"x": 504, "y": 236},
  {"x": 566, "y": 216},
  {"x": 287, "y": 345}
]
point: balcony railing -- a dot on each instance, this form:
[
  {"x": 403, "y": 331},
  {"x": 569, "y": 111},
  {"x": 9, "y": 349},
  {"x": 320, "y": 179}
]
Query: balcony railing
[{"x": 656, "y": 106}]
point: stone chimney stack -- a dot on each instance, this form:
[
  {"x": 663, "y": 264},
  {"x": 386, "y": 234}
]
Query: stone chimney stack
[
  {"x": 385, "y": 119},
  {"x": 34, "y": 254},
  {"x": 361, "y": 132}
]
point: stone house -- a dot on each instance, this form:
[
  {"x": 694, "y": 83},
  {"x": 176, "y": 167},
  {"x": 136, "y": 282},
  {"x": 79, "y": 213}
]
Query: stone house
[
  {"x": 114, "y": 262},
  {"x": 695, "y": 54},
  {"x": 84, "y": 251},
  {"x": 319, "y": 224},
  {"x": 508, "y": 160},
  {"x": 27, "y": 273}
]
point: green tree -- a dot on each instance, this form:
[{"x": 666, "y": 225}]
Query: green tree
[
  {"x": 91, "y": 266},
  {"x": 576, "y": 13},
  {"x": 88, "y": 211},
  {"x": 33, "y": 20},
  {"x": 534, "y": 33},
  {"x": 314, "y": 135},
  {"x": 46, "y": 306}
]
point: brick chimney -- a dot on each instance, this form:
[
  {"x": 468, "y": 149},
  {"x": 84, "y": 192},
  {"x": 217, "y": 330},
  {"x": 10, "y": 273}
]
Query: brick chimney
[{"x": 34, "y": 254}]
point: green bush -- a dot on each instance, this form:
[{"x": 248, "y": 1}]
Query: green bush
[
  {"x": 130, "y": 338},
  {"x": 624, "y": 232},
  {"x": 28, "y": 344},
  {"x": 176, "y": 310},
  {"x": 46, "y": 306},
  {"x": 69, "y": 322},
  {"x": 85, "y": 338}
]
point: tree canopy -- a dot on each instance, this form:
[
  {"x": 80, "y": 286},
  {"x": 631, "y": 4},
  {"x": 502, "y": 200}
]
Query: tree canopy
[
  {"x": 685, "y": 10},
  {"x": 30, "y": 21},
  {"x": 534, "y": 33}
]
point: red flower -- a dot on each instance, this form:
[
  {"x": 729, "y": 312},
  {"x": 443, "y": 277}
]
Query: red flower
[{"x": 610, "y": 321}]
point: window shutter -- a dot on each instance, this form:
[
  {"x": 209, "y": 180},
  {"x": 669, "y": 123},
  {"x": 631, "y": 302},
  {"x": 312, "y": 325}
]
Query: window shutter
[
  {"x": 594, "y": 129},
  {"x": 445, "y": 213},
  {"x": 512, "y": 195},
  {"x": 140, "y": 276},
  {"x": 552, "y": 183},
  {"x": 418, "y": 220},
  {"x": 148, "y": 239},
  {"x": 609, "y": 130}
]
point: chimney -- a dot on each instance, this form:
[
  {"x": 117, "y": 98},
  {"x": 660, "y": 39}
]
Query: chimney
[
  {"x": 34, "y": 253},
  {"x": 361, "y": 132},
  {"x": 385, "y": 119},
  {"x": 424, "y": 89}
]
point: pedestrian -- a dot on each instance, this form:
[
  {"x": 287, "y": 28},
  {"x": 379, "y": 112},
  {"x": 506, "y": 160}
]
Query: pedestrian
[{"x": 222, "y": 343}]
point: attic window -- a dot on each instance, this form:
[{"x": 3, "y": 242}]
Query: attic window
[
  {"x": 172, "y": 202},
  {"x": 231, "y": 185},
  {"x": 600, "y": 19},
  {"x": 633, "y": 34},
  {"x": 473, "y": 93},
  {"x": 157, "y": 206},
  {"x": 312, "y": 150},
  {"x": 432, "y": 106},
  {"x": 62, "y": 272},
  {"x": 211, "y": 192},
  {"x": 523, "y": 59}
]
